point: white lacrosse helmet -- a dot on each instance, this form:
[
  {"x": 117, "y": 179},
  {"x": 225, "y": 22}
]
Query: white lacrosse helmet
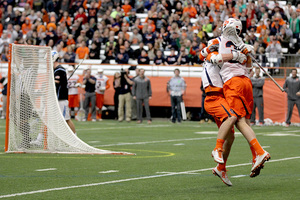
[
  {"x": 54, "y": 55},
  {"x": 231, "y": 22}
]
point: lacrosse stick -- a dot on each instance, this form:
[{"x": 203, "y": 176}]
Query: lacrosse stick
[
  {"x": 76, "y": 68},
  {"x": 230, "y": 34}
]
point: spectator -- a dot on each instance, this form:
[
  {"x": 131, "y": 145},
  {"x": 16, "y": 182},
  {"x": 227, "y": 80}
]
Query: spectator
[
  {"x": 151, "y": 51},
  {"x": 102, "y": 85},
  {"x": 125, "y": 96},
  {"x": 274, "y": 49},
  {"x": 135, "y": 38},
  {"x": 207, "y": 27},
  {"x": 139, "y": 6},
  {"x": 94, "y": 52},
  {"x": 275, "y": 27},
  {"x": 176, "y": 88},
  {"x": 122, "y": 57},
  {"x": 258, "y": 100},
  {"x": 26, "y": 26},
  {"x": 159, "y": 58},
  {"x": 4, "y": 41},
  {"x": 174, "y": 41},
  {"x": 192, "y": 12},
  {"x": 172, "y": 58},
  {"x": 142, "y": 92},
  {"x": 90, "y": 97},
  {"x": 183, "y": 58},
  {"x": 128, "y": 49},
  {"x": 284, "y": 38},
  {"x": 138, "y": 51},
  {"x": 295, "y": 25},
  {"x": 117, "y": 87},
  {"x": 126, "y": 7},
  {"x": 69, "y": 56},
  {"x": 143, "y": 58},
  {"x": 82, "y": 52},
  {"x": 81, "y": 16},
  {"x": 292, "y": 88},
  {"x": 149, "y": 37}
]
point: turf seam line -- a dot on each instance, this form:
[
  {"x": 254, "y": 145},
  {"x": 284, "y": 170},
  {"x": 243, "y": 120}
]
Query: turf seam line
[{"x": 130, "y": 179}]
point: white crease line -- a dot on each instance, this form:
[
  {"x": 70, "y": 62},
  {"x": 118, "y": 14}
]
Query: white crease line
[
  {"x": 238, "y": 176},
  {"x": 151, "y": 142},
  {"x": 122, "y": 127},
  {"x": 43, "y": 170},
  {"x": 109, "y": 171},
  {"x": 131, "y": 179}
]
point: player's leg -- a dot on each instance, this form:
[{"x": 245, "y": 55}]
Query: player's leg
[{"x": 291, "y": 104}]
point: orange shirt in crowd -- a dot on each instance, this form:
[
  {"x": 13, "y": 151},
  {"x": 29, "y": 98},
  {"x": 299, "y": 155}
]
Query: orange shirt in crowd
[
  {"x": 126, "y": 9},
  {"x": 67, "y": 20},
  {"x": 70, "y": 42},
  {"x": 259, "y": 28},
  {"x": 82, "y": 51},
  {"x": 26, "y": 28},
  {"x": 281, "y": 22},
  {"x": 192, "y": 11},
  {"x": 217, "y": 4}
]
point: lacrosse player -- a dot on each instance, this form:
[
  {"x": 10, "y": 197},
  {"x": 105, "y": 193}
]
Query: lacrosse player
[
  {"x": 237, "y": 87},
  {"x": 102, "y": 84},
  {"x": 216, "y": 105},
  {"x": 73, "y": 84}
]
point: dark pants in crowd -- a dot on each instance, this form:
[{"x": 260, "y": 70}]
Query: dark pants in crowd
[
  {"x": 90, "y": 97},
  {"x": 291, "y": 104},
  {"x": 139, "y": 109},
  {"x": 258, "y": 102},
  {"x": 176, "y": 109}
]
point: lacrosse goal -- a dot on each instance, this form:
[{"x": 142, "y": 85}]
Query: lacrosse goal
[{"x": 33, "y": 109}]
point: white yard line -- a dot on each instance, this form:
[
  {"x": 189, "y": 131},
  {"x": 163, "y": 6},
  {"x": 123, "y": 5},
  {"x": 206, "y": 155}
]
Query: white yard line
[
  {"x": 130, "y": 179},
  {"x": 151, "y": 142},
  {"x": 123, "y": 127},
  {"x": 43, "y": 170}
]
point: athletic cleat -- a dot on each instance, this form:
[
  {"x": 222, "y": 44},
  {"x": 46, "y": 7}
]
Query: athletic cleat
[
  {"x": 259, "y": 163},
  {"x": 218, "y": 155},
  {"x": 222, "y": 175}
]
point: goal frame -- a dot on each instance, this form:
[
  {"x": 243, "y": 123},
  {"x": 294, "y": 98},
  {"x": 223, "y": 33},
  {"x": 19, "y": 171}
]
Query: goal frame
[{"x": 89, "y": 150}]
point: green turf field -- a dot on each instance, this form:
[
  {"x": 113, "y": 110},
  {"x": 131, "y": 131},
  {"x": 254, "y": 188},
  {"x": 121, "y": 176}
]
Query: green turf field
[{"x": 172, "y": 161}]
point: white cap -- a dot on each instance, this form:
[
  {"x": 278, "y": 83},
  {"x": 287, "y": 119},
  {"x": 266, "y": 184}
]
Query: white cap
[
  {"x": 70, "y": 68},
  {"x": 100, "y": 70}
]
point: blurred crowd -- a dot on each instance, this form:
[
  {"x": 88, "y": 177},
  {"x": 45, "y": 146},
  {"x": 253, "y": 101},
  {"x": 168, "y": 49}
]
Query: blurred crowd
[{"x": 79, "y": 29}]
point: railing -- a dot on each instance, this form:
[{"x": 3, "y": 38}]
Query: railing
[{"x": 287, "y": 63}]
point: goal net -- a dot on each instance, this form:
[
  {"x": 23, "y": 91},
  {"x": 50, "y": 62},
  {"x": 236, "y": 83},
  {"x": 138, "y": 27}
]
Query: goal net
[{"x": 34, "y": 112}]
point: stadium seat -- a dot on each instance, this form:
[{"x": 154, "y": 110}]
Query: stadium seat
[{"x": 112, "y": 62}]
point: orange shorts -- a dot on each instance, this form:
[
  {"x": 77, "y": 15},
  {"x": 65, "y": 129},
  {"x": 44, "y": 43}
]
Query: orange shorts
[
  {"x": 99, "y": 100},
  {"x": 238, "y": 93},
  {"x": 73, "y": 101},
  {"x": 216, "y": 105}
]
